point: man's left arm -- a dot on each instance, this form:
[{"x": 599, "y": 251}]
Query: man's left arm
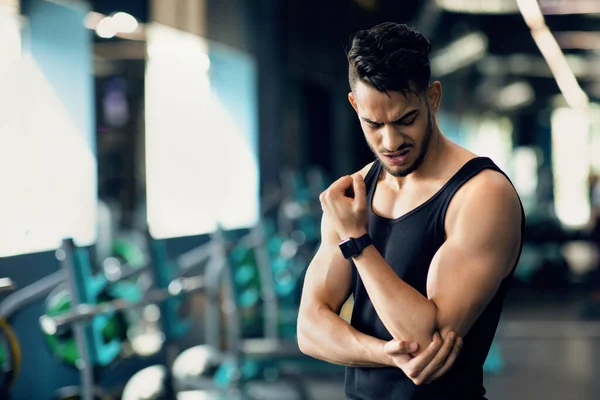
[{"x": 483, "y": 227}]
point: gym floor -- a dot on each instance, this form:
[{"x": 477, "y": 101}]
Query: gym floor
[{"x": 548, "y": 354}]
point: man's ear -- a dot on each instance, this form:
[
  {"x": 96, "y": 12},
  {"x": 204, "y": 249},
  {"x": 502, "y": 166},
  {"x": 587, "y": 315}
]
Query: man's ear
[
  {"x": 434, "y": 96},
  {"x": 352, "y": 101}
]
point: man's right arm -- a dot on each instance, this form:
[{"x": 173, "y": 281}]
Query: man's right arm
[{"x": 322, "y": 333}]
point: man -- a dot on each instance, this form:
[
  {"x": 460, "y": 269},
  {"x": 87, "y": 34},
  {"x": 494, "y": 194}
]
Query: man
[{"x": 426, "y": 238}]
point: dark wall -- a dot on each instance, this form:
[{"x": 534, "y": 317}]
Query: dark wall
[
  {"x": 262, "y": 30},
  {"x": 138, "y": 8},
  {"x": 299, "y": 46},
  {"x": 120, "y": 140},
  {"x": 227, "y": 23},
  {"x": 316, "y": 35}
]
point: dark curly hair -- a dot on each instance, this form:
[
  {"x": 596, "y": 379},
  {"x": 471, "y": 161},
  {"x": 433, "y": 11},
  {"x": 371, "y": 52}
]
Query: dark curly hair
[{"x": 390, "y": 57}]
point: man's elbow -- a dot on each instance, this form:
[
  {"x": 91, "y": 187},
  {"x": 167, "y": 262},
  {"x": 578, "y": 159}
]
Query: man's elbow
[
  {"x": 304, "y": 342},
  {"x": 425, "y": 330},
  {"x": 304, "y": 345}
]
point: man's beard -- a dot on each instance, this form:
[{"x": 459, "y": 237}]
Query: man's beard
[{"x": 418, "y": 161}]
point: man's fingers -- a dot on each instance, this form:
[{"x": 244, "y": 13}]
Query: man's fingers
[
  {"x": 438, "y": 360},
  {"x": 417, "y": 364},
  {"x": 342, "y": 183},
  {"x": 392, "y": 346},
  {"x": 336, "y": 188},
  {"x": 360, "y": 192},
  {"x": 395, "y": 347},
  {"x": 449, "y": 361}
]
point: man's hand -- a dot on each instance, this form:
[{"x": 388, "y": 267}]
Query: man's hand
[
  {"x": 431, "y": 364},
  {"x": 345, "y": 203}
]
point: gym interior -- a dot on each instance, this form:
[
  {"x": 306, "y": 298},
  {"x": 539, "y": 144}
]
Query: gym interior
[{"x": 160, "y": 168}]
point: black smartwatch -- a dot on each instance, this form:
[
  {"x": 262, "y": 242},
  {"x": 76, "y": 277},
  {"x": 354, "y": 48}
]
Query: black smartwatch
[{"x": 352, "y": 247}]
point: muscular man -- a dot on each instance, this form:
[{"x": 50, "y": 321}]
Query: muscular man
[{"x": 426, "y": 238}]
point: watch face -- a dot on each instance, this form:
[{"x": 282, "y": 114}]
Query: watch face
[{"x": 349, "y": 248}]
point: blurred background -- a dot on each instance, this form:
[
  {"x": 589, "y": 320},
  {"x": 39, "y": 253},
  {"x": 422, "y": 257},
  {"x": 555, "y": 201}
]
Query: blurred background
[{"x": 160, "y": 166}]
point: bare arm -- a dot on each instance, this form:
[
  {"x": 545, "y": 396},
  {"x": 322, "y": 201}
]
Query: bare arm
[
  {"x": 322, "y": 333},
  {"x": 483, "y": 236}
]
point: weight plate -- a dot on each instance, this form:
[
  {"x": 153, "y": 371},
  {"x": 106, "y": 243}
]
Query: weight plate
[
  {"x": 129, "y": 252},
  {"x": 10, "y": 356},
  {"x": 62, "y": 344}
]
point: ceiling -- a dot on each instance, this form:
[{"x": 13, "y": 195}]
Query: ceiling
[
  {"x": 512, "y": 55},
  {"x": 314, "y": 32}
]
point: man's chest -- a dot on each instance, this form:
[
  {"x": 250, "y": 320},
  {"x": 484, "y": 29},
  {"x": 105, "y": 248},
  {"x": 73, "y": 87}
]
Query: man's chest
[{"x": 394, "y": 204}]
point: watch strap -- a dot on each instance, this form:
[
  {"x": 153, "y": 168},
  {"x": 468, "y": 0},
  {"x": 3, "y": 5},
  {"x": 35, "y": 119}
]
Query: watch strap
[
  {"x": 352, "y": 247},
  {"x": 363, "y": 242}
]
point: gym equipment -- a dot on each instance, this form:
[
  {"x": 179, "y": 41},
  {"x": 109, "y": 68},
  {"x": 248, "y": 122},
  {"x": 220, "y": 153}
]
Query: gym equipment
[
  {"x": 285, "y": 259},
  {"x": 10, "y": 354},
  {"x": 119, "y": 295},
  {"x": 247, "y": 289},
  {"x": 62, "y": 344},
  {"x": 213, "y": 257},
  {"x": 494, "y": 363},
  {"x": 6, "y": 285},
  {"x": 88, "y": 312},
  {"x": 240, "y": 269},
  {"x": 104, "y": 300},
  {"x": 102, "y": 336},
  {"x": 74, "y": 393},
  {"x": 125, "y": 253},
  {"x": 543, "y": 267},
  {"x": 55, "y": 285},
  {"x": 173, "y": 325},
  {"x": 29, "y": 294},
  {"x": 120, "y": 288},
  {"x": 299, "y": 205},
  {"x": 120, "y": 281},
  {"x": 258, "y": 273},
  {"x": 149, "y": 383},
  {"x": 90, "y": 315},
  {"x": 10, "y": 351}
]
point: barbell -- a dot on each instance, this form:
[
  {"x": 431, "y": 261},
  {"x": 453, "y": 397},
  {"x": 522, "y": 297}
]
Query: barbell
[{"x": 86, "y": 312}]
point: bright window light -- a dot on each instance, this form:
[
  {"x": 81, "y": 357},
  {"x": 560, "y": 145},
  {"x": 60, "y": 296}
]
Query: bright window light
[
  {"x": 479, "y": 6},
  {"x": 524, "y": 175},
  {"x": 459, "y": 54},
  {"x": 571, "y": 166},
  {"x": 201, "y": 162},
  {"x": 515, "y": 95},
  {"x": 47, "y": 169},
  {"x": 595, "y": 139},
  {"x": 124, "y": 23},
  {"x": 10, "y": 5},
  {"x": 491, "y": 137},
  {"x": 546, "y": 43},
  {"x": 106, "y": 28},
  {"x": 525, "y": 170}
]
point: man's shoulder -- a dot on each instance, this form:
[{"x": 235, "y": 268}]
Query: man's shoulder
[
  {"x": 490, "y": 182},
  {"x": 488, "y": 190}
]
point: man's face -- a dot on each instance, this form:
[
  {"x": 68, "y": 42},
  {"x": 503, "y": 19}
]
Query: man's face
[{"x": 397, "y": 128}]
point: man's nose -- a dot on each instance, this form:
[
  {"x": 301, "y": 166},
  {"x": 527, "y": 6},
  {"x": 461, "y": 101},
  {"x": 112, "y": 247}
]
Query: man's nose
[{"x": 391, "y": 140}]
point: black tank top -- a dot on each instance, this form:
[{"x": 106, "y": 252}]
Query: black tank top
[{"x": 408, "y": 244}]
